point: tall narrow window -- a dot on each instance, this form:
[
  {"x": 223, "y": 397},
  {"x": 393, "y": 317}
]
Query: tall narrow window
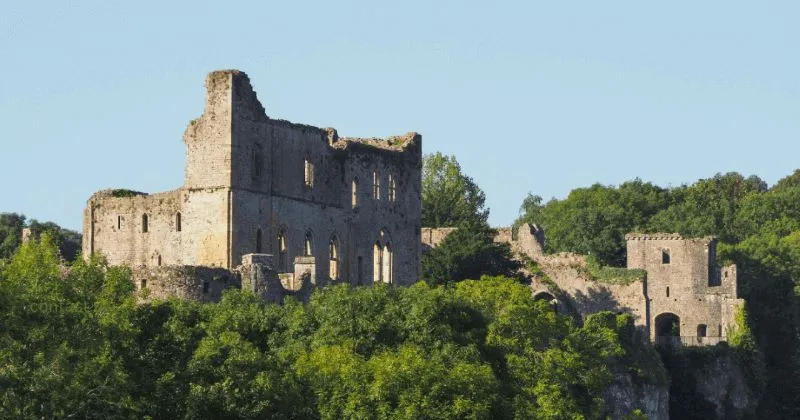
[
  {"x": 392, "y": 187},
  {"x": 143, "y": 284},
  {"x": 386, "y": 261},
  {"x": 354, "y": 193},
  {"x": 664, "y": 256},
  {"x": 257, "y": 162},
  {"x": 333, "y": 259},
  {"x": 282, "y": 257},
  {"x": 258, "y": 241},
  {"x": 144, "y": 223},
  {"x": 307, "y": 247},
  {"x": 360, "y": 270},
  {"x": 119, "y": 222},
  {"x": 667, "y": 291},
  {"x": 158, "y": 260},
  {"x": 178, "y": 222},
  {"x": 309, "y": 173},
  {"x": 377, "y": 263},
  {"x": 376, "y": 186},
  {"x": 205, "y": 287}
]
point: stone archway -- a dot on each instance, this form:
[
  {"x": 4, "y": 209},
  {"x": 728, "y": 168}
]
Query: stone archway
[{"x": 668, "y": 325}]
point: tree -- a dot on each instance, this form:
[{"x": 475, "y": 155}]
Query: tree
[
  {"x": 11, "y": 225},
  {"x": 449, "y": 198},
  {"x": 468, "y": 253},
  {"x": 595, "y": 220}
]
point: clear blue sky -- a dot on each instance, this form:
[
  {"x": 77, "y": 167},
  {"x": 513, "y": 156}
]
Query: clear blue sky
[{"x": 529, "y": 96}]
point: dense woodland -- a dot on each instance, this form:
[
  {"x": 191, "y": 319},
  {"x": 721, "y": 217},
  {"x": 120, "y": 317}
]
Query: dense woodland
[{"x": 73, "y": 343}]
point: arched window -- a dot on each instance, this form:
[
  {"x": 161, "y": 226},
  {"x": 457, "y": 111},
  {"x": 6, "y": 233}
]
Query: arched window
[
  {"x": 308, "y": 170},
  {"x": 145, "y": 221},
  {"x": 377, "y": 263},
  {"x": 258, "y": 241},
  {"x": 702, "y": 330},
  {"x": 308, "y": 249},
  {"x": 376, "y": 186},
  {"x": 386, "y": 261},
  {"x": 354, "y": 193},
  {"x": 178, "y": 222},
  {"x": 282, "y": 253},
  {"x": 333, "y": 258},
  {"x": 392, "y": 188}
]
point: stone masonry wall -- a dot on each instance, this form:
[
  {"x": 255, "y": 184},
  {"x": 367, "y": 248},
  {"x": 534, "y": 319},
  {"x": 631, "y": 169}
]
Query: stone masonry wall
[
  {"x": 699, "y": 292},
  {"x": 250, "y": 179},
  {"x": 114, "y": 227},
  {"x": 682, "y": 279},
  {"x": 204, "y": 284}
]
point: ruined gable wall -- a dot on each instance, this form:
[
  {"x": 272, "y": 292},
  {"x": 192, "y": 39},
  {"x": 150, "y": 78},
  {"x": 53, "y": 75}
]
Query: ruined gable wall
[{"x": 208, "y": 138}]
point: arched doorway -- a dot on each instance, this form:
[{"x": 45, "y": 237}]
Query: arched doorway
[{"x": 668, "y": 325}]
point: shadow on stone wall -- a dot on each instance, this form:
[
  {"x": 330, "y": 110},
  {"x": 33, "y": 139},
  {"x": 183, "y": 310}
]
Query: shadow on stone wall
[{"x": 599, "y": 298}]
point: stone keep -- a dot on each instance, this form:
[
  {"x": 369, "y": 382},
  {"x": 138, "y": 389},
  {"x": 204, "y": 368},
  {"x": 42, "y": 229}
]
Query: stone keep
[{"x": 347, "y": 209}]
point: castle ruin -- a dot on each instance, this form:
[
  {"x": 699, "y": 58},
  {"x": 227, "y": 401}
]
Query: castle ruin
[
  {"x": 277, "y": 208},
  {"x": 683, "y": 299},
  {"x": 311, "y": 206}
]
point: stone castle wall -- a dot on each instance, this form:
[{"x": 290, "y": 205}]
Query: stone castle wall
[
  {"x": 700, "y": 294},
  {"x": 204, "y": 284},
  {"x": 683, "y": 279},
  {"x": 258, "y": 185},
  {"x": 183, "y": 228}
]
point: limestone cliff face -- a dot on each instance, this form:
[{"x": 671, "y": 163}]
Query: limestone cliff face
[
  {"x": 625, "y": 395},
  {"x": 723, "y": 385},
  {"x": 713, "y": 383}
]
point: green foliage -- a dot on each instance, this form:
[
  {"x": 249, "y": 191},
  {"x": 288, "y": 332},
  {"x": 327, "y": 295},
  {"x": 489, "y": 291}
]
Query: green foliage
[
  {"x": 468, "y": 253},
  {"x": 612, "y": 275},
  {"x": 595, "y": 220},
  {"x": 11, "y": 225},
  {"x": 449, "y": 198},
  {"x": 122, "y": 193},
  {"x": 77, "y": 345},
  {"x": 741, "y": 336},
  {"x": 759, "y": 229}
]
